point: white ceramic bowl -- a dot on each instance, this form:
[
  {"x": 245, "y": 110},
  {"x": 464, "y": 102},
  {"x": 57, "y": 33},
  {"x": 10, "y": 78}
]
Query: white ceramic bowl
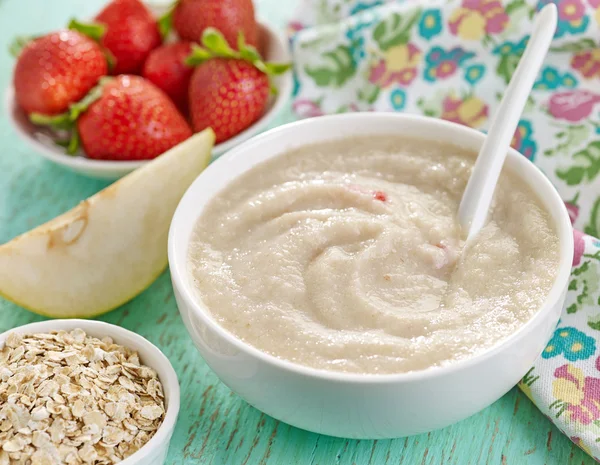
[
  {"x": 275, "y": 49},
  {"x": 357, "y": 405},
  {"x": 154, "y": 452}
]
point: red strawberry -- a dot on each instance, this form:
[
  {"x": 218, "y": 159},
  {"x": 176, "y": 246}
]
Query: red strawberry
[
  {"x": 229, "y": 89},
  {"x": 131, "y": 34},
  {"x": 227, "y": 95},
  {"x": 56, "y": 70},
  {"x": 132, "y": 120},
  {"x": 192, "y": 17},
  {"x": 165, "y": 67}
]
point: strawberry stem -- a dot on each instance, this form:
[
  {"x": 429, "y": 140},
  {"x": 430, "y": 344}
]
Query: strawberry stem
[
  {"x": 215, "y": 46},
  {"x": 68, "y": 119}
]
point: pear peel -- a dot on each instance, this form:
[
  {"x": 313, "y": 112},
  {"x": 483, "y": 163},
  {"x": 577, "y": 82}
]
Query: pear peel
[{"x": 110, "y": 247}]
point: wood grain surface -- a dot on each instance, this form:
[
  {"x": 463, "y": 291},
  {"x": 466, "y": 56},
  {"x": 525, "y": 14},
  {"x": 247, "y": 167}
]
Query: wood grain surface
[{"x": 215, "y": 426}]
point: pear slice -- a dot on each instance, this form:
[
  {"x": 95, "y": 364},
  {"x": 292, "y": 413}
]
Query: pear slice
[{"x": 110, "y": 247}]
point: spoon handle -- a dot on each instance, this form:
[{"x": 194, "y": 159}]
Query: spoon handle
[{"x": 478, "y": 194}]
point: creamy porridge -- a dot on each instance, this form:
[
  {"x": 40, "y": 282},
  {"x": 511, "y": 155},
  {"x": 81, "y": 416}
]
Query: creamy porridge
[{"x": 348, "y": 256}]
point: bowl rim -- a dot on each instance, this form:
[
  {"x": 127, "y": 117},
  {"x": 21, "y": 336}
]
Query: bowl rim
[
  {"x": 171, "y": 382},
  {"x": 562, "y": 224},
  {"x": 114, "y": 167}
]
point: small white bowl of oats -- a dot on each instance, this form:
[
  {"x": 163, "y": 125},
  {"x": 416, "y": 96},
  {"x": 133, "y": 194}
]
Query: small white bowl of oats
[{"x": 82, "y": 391}]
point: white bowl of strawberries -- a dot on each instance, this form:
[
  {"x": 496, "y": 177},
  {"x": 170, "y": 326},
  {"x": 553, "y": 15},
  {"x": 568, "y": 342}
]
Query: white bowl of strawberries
[{"x": 103, "y": 98}]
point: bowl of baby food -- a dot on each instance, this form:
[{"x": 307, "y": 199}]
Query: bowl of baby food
[{"x": 321, "y": 271}]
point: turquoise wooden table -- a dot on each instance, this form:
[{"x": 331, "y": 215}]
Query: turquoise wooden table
[{"x": 215, "y": 426}]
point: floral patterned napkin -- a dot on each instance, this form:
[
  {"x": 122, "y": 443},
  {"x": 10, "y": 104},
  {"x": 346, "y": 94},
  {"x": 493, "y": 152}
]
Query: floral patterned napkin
[{"x": 452, "y": 59}]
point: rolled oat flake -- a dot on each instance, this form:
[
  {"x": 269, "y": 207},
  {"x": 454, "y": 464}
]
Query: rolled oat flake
[{"x": 68, "y": 398}]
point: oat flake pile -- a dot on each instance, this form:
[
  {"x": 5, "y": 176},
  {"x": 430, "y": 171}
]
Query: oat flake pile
[{"x": 67, "y": 398}]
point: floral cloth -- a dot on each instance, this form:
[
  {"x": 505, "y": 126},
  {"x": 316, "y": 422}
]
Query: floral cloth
[{"x": 452, "y": 59}]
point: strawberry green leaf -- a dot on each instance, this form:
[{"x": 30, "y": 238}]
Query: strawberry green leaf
[
  {"x": 18, "y": 44},
  {"x": 68, "y": 120},
  {"x": 165, "y": 23},
  {"x": 77, "y": 108},
  {"x": 74, "y": 142},
  {"x": 274, "y": 69},
  {"x": 241, "y": 41},
  {"x": 215, "y": 42},
  {"x": 272, "y": 89},
  {"x": 259, "y": 65},
  {"x": 111, "y": 61},
  {"x": 198, "y": 56},
  {"x": 71, "y": 145},
  {"x": 64, "y": 143},
  {"x": 215, "y": 46},
  {"x": 249, "y": 53},
  {"x": 62, "y": 121},
  {"x": 94, "y": 31}
]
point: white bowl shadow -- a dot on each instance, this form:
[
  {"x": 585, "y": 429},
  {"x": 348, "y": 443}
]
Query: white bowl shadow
[{"x": 41, "y": 139}]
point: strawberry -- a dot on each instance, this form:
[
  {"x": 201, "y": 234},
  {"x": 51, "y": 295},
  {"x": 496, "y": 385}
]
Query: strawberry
[
  {"x": 229, "y": 89},
  {"x": 123, "y": 118},
  {"x": 56, "y": 70},
  {"x": 191, "y": 17},
  {"x": 228, "y": 96},
  {"x": 132, "y": 120},
  {"x": 131, "y": 34},
  {"x": 165, "y": 67}
]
